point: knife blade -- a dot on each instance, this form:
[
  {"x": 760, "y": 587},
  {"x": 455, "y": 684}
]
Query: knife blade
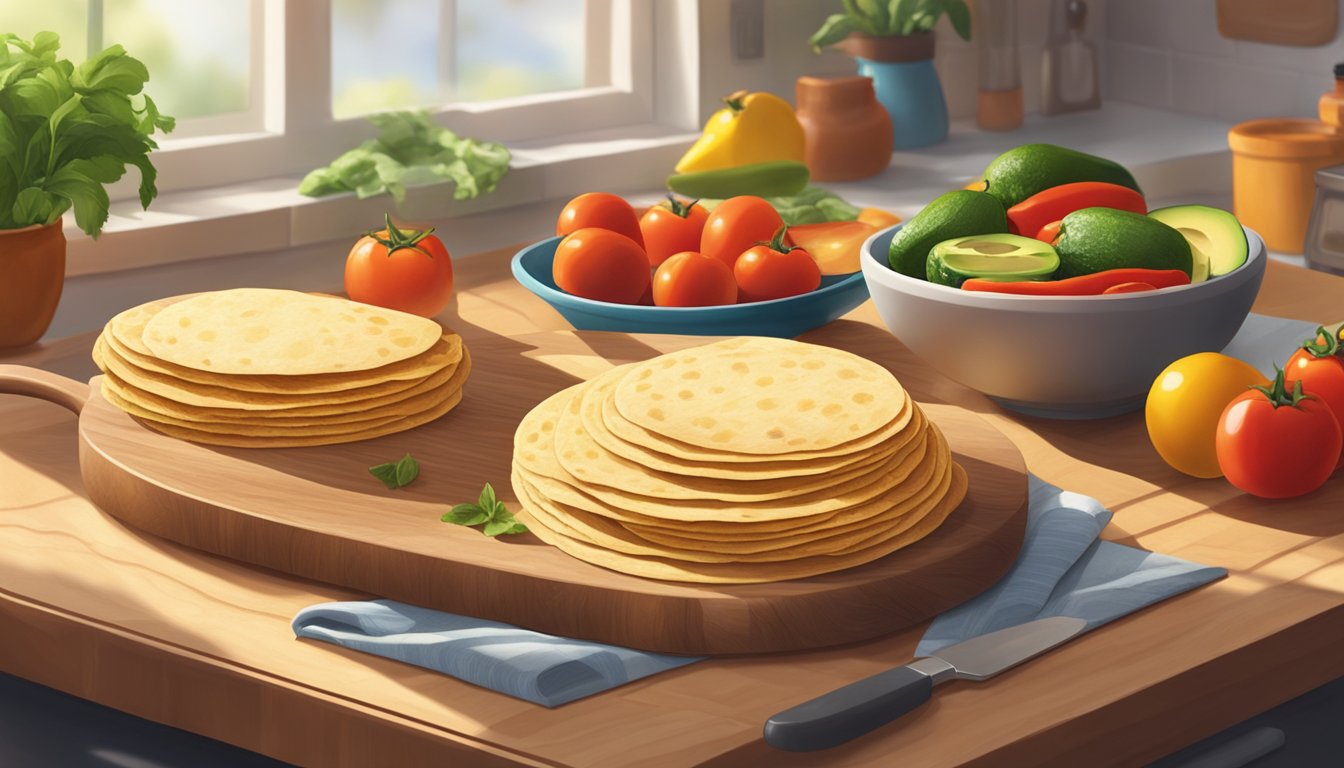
[{"x": 849, "y": 712}]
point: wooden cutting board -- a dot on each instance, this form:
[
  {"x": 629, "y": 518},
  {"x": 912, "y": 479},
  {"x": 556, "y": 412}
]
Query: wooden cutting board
[{"x": 317, "y": 513}]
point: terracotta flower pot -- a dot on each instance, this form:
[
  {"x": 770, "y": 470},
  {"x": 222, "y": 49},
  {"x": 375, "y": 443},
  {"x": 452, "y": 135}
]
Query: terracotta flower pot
[
  {"x": 32, "y": 263},
  {"x": 848, "y": 133}
]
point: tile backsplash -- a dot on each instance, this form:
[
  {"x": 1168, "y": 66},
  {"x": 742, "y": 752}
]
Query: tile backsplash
[{"x": 1168, "y": 54}]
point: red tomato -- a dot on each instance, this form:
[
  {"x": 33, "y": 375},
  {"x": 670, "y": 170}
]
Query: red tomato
[
  {"x": 774, "y": 271},
  {"x": 400, "y": 269},
  {"x": 601, "y": 210},
  {"x": 1276, "y": 445},
  {"x": 689, "y": 279},
  {"x": 601, "y": 265},
  {"x": 1319, "y": 365},
  {"x": 672, "y": 227},
  {"x": 737, "y": 224}
]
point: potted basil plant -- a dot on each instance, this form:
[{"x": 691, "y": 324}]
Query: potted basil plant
[
  {"x": 892, "y": 41},
  {"x": 65, "y": 133}
]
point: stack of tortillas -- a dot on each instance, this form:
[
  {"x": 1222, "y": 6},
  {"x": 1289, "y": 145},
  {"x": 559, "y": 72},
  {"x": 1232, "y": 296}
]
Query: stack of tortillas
[
  {"x": 746, "y": 460},
  {"x": 272, "y": 368}
]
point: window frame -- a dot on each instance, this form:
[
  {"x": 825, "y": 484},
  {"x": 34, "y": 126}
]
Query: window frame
[{"x": 291, "y": 87}]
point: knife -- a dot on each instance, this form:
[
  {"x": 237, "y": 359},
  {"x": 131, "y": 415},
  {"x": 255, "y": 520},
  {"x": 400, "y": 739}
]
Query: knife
[{"x": 849, "y": 712}]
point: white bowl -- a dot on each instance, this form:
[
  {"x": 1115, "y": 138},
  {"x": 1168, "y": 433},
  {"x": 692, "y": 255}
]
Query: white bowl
[{"x": 1070, "y": 357}]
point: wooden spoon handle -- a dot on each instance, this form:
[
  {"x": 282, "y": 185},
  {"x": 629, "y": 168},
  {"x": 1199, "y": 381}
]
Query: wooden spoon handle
[{"x": 35, "y": 382}]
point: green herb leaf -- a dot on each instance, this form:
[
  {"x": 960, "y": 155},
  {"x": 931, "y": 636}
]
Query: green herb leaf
[
  {"x": 411, "y": 149},
  {"x": 67, "y": 131},
  {"x": 488, "y": 509},
  {"x": 407, "y": 470},
  {"x": 397, "y": 474},
  {"x": 836, "y": 28},
  {"x": 960, "y": 16},
  {"x": 466, "y": 514}
]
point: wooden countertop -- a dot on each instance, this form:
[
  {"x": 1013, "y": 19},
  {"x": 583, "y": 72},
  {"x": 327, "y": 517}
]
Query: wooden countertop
[{"x": 103, "y": 612}]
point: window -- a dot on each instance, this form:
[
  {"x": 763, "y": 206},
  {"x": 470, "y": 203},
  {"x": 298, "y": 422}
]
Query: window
[
  {"x": 205, "y": 70},
  {"x": 266, "y": 88}
]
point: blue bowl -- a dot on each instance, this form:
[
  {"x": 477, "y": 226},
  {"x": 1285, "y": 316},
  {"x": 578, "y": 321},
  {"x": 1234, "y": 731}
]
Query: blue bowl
[{"x": 783, "y": 318}]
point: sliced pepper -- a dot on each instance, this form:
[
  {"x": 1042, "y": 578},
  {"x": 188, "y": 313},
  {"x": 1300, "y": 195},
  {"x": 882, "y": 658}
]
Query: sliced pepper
[
  {"x": 1083, "y": 285},
  {"x": 1053, "y": 204}
]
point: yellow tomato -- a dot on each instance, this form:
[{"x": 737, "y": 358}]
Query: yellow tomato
[{"x": 1184, "y": 405}]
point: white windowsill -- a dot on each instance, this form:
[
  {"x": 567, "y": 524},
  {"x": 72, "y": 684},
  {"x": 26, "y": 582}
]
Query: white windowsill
[{"x": 270, "y": 215}]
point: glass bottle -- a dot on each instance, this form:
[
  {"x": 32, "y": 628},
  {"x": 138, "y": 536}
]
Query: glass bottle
[
  {"x": 999, "y": 103},
  {"x": 1069, "y": 74}
]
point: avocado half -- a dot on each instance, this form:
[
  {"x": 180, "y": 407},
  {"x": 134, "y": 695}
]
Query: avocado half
[{"x": 1215, "y": 236}]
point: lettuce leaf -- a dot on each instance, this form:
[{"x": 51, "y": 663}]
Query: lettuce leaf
[
  {"x": 67, "y": 131},
  {"x": 411, "y": 150}
]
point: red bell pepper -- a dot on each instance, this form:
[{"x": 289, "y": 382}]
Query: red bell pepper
[
  {"x": 1083, "y": 285},
  {"x": 1027, "y": 217},
  {"x": 1050, "y": 232}
]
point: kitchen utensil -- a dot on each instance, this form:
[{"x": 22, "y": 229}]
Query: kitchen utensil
[
  {"x": 783, "y": 318},
  {"x": 849, "y": 712},
  {"x": 317, "y": 513},
  {"x": 1273, "y": 163},
  {"x": 1067, "y": 357},
  {"x": 1324, "y": 247}
]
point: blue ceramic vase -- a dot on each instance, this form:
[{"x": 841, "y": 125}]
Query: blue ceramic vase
[
  {"x": 912, "y": 94},
  {"x": 906, "y": 84}
]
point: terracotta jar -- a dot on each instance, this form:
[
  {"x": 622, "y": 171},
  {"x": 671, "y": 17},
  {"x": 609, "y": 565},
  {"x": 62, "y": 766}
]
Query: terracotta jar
[
  {"x": 32, "y": 272},
  {"x": 848, "y": 133}
]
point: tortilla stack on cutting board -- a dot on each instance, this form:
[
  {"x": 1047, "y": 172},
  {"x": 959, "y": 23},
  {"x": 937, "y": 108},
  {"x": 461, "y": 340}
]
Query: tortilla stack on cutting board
[
  {"x": 746, "y": 460},
  {"x": 269, "y": 368}
]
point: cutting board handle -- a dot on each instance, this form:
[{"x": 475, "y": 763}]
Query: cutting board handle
[{"x": 35, "y": 382}]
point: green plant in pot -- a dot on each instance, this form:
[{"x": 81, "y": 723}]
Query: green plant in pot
[
  {"x": 893, "y": 43},
  {"x": 65, "y": 133}
]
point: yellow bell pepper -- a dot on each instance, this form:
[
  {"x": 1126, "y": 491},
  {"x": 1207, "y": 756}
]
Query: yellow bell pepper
[{"x": 752, "y": 128}]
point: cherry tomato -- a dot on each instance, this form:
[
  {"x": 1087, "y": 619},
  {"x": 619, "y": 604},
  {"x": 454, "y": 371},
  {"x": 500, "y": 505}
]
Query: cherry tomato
[
  {"x": 689, "y": 279},
  {"x": 601, "y": 210},
  {"x": 775, "y": 270},
  {"x": 400, "y": 269},
  {"x": 601, "y": 265},
  {"x": 737, "y": 224},
  {"x": 1278, "y": 445},
  {"x": 672, "y": 227},
  {"x": 1184, "y": 405},
  {"x": 1319, "y": 365}
]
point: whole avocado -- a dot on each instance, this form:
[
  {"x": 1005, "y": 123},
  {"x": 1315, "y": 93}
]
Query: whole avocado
[
  {"x": 1023, "y": 171},
  {"x": 960, "y": 213},
  {"x": 1098, "y": 239}
]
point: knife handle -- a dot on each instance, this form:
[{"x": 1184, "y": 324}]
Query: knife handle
[{"x": 849, "y": 712}]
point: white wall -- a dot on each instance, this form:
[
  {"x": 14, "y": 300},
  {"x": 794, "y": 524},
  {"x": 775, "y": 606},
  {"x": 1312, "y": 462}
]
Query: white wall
[{"x": 1168, "y": 54}]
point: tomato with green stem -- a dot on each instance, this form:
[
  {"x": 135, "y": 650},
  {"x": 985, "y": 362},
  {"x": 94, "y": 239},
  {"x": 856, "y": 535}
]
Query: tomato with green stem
[
  {"x": 402, "y": 269},
  {"x": 1319, "y": 365},
  {"x": 672, "y": 227},
  {"x": 1276, "y": 444},
  {"x": 774, "y": 270}
]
